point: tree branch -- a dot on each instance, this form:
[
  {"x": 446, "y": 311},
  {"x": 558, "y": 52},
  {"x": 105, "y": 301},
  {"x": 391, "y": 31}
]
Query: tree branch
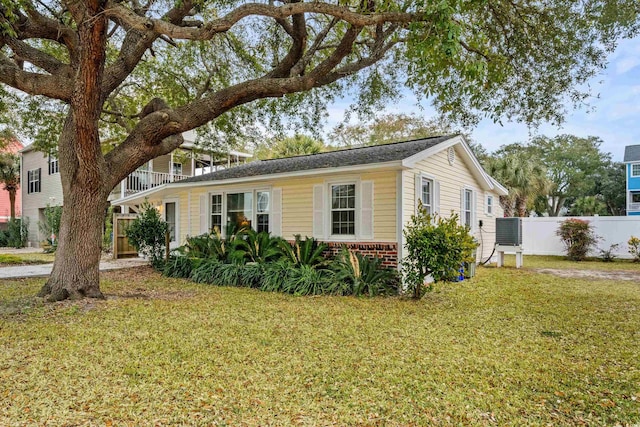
[
  {"x": 210, "y": 29},
  {"x": 40, "y": 59},
  {"x": 34, "y": 83}
]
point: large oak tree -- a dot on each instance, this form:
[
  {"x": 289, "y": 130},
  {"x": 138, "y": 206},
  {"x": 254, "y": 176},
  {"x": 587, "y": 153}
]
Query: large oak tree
[{"x": 113, "y": 83}]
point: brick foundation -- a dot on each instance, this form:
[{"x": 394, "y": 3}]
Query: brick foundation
[{"x": 387, "y": 251}]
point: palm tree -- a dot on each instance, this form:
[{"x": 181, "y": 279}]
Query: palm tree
[
  {"x": 523, "y": 178},
  {"x": 10, "y": 177}
]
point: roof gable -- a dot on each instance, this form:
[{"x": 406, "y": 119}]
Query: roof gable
[
  {"x": 632, "y": 153},
  {"x": 340, "y": 158}
]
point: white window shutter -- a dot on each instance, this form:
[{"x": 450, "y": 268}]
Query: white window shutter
[
  {"x": 436, "y": 197},
  {"x": 461, "y": 213},
  {"x": 418, "y": 194},
  {"x": 275, "y": 220},
  {"x": 318, "y": 211},
  {"x": 366, "y": 210},
  {"x": 204, "y": 214}
]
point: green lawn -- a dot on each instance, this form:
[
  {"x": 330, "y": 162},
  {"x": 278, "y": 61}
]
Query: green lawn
[
  {"x": 537, "y": 261},
  {"x": 26, "y": 258},
  {"x": 506, "y": 348}
]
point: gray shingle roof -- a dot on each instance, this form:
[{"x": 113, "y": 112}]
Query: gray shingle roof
[
  {"x": 340, "y": 158},
  {"x": 632, "y": 153}
]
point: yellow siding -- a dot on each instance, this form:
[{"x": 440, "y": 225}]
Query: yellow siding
[
  {"x": 297, "y": 203},
  {"x": 452, "y": 179}
]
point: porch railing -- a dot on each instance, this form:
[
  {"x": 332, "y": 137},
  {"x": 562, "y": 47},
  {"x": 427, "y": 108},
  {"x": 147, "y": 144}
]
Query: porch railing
[{"x": 144, "y": 180}]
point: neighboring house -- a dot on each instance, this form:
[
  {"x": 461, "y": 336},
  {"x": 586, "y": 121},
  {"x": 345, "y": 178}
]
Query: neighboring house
[
  {"x": 361, "y": 197},
  {"x": 13, "y": 146},
  {"x": 41, "y": 185},
  {"x": 632, "y": 161}
]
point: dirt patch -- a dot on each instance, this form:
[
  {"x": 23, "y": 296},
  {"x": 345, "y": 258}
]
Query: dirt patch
[{"x": 630, "y": 276}]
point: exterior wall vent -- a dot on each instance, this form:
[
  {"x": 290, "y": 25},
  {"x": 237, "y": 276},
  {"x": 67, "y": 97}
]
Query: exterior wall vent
[{"x": 509, "y": 231}]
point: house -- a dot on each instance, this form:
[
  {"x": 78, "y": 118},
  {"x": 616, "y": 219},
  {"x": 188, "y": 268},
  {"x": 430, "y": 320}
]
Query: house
[
  {"x": 360, "y": 197},
  {"x": 13, "y": 146},
  {"x": 632, "y": 162},
  {"x": 40, "y": 176}
]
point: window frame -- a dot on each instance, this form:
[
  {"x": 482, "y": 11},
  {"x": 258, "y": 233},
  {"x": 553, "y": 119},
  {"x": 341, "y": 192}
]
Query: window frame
[
  {"x": 464, "y": 210},
  {"x": 634, "y": 193},
  {"x": 34, "y": 185},
  {"x": 173, "y": 168},
  {"x": 176, "y": 228},
  {"x": 432, "y": 184},
  {"x": 355, "y": 209},
  {"x": 489, "y": 206},
  {"x": 54, "y": 165},
  {"x": 224, "y": 212},
  {"x": 211, "y": 213},
  {"x": 632, "y": 174}
]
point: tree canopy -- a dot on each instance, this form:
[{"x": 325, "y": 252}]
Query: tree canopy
[
  {"x": 289, "y": 146},
  {"x": 114, "y": 83}
]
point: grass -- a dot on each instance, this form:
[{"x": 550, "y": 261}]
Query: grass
[
  {"x": 510, "y": 347},
  {"x": 560, "y": 262},
  {"x": 26, "y": 258}
]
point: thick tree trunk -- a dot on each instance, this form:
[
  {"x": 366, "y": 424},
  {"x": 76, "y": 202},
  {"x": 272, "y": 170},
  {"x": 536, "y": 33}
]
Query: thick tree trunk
[{"x": 75, "y": 270}]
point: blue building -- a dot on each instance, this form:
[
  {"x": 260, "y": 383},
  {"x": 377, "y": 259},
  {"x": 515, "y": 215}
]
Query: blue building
[{"x": 632, "y": 161}]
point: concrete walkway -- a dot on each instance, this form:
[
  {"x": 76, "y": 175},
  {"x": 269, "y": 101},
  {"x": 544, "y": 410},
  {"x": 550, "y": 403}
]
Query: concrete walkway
[{"x": 43, "y": 270}]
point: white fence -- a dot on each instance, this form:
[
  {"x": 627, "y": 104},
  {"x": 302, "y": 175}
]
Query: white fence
[{"x": 539, "y": 234}]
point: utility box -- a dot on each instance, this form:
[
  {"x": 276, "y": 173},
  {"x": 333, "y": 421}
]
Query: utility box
[{"x": 509, "y": 231}]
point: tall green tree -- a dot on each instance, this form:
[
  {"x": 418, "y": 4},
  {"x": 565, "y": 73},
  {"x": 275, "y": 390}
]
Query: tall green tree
[
  {"x": 388, "y": 128},
  {"x": 573, "y": 165},
  {"x": 296, "y": 145},
  {"x": 611, "y": 186},
  {"x": 139, "y": 74}
]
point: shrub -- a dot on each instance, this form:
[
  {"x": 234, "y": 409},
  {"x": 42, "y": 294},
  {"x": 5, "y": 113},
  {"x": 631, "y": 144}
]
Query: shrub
[
  {"x": 107, "y": 237},
  {"x": 16, "y": 234},
  {"x": 634, "y": 248},
  {"x": 207, "y": 272},
  {"x": 307, "y": 280},
  {"x": 206, "y": 246},
  {"x": 358, "y": 275},
  {"x": 607, "y": 255},
  {"x": 178, "y": 266},
  {"x": 304, "y": 252},
  {"x": 578, "y": 238},
  {"x": 50, "y": 227},
  {"x": 229, "y": 274},
  {"x": 252, "y": 274},
  {"x": 275, "y": 275},
  {"x": 147, "y": 233},
  {"x": 435, "y": 246},
  {"x": 251, "y": 246}
]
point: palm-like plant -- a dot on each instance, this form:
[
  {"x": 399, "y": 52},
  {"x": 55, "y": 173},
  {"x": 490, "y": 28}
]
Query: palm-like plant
[
  {"x": 359, "y": 275},
  {"x": 524, "y": 179},
  {"x": 304, "y": 252},
  {"x": 10, "y": 178},
  {"x": 252, "y": 246}
]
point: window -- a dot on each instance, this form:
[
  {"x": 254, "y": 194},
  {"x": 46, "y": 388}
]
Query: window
[
  {"x": 216, "y": 213},
  {"x": 33, "y": 181},
  {"x": 489, "y": 205},
  {"x": 467, "y": 207},
  {"x": 53, "y": 165},
  {"x": 170, "y": 218},
  {"x": 426, "y": 195},
  {"x": 177, "y": 168},
  {"x": 239, "y": 211},
  {"x": 262, "y": 208},
  {"x": 635, "y": 169},
  {"x": 343, "y": 209},
  {"x": 635, "y": 197}
]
